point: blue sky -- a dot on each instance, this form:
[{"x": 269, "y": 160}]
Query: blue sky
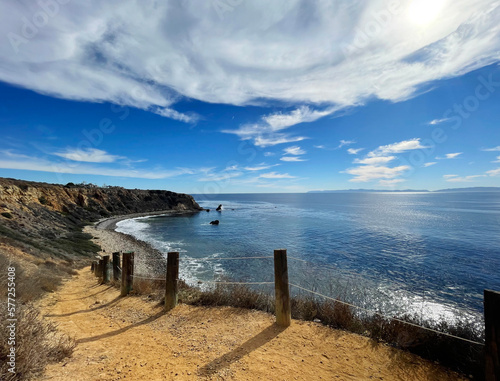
[{"x": 237, "y": 96}]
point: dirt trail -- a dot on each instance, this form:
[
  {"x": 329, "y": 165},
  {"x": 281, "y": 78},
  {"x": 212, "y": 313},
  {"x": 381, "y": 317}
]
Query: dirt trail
[{"x": 132, "y": 339}]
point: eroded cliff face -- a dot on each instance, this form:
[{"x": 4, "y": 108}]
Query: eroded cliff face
[{"x": 46, "y": 219}]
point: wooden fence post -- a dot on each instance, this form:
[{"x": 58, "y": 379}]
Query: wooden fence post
[
  {"x": 116, "y": 266},
  {"x": 92, "y": 267},
  {"x": 492, "y": 335},
  {"x": 105, "y": 272},
  {"x": 281, "y": 288},
  {"x": 171, "y": 288},
  {"x": 127, "y": 273},
  {"x": 100, "y": 269}
]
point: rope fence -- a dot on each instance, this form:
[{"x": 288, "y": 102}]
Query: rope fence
[{"x": 282, "y": 293}]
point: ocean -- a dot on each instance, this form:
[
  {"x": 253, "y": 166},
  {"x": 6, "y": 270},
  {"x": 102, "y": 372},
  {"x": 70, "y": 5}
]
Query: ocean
[{"x": 429, "y": 255}]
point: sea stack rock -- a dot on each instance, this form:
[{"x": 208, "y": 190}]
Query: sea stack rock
[
  {"x": 219, "y": 208},
  {"x": 216, "y": 222}
]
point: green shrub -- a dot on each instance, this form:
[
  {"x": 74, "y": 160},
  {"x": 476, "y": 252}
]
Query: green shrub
[{"x": 7, "y": 215}]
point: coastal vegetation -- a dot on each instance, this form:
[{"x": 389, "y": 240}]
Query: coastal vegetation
[{"x": 41, "y": 237}]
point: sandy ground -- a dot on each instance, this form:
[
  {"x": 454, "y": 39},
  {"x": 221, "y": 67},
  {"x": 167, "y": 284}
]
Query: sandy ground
[{"x": 132, "y": 338}]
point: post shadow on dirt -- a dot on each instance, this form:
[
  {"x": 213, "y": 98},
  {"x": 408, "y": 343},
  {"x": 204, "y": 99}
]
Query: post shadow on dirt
[
  {"x": 87, "y": 296},
  {"x": 121, "y": 330},
  {"x": 108, "y": 304},
  {"x": 244, "y": 349}
]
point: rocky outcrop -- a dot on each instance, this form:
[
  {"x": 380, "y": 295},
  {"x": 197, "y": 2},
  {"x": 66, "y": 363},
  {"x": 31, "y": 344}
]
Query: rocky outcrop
[
  {"x": 48, "y": 217},
  {"x": 215, "y": 222}
]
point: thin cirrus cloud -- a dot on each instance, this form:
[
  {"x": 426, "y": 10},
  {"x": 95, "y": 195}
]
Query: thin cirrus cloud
[
  {"x": 375, "y": 165},
  {"x": 91, "y": 155},
  {"x": 294, "y": 150},
  {"x": 345, "y": 143},
  {"x": 274, "y": 175},
  {"x": 494, "y": 149},
  {"x": 23, "y": 162},
  {"x": 449, "y": 156},
  {"x": 461, "y": 179},
  {"x": 438, "y": 121},
  {"x": 246, "y": 56},
  {"x": 269, "y": 130},
  {"x": 430, "y": 163},
  {"x": 354, "y": 151},
  {"x": 292, "y": 158}
]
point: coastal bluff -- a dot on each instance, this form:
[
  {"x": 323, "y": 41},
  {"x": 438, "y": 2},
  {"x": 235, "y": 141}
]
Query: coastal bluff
[{"x": 48, "y": 218}]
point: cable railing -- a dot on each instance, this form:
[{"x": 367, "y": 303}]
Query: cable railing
[{"x": 282, "y": 288}]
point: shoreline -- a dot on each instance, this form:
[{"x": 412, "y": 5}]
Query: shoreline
[{"x": 149, "y": 260}]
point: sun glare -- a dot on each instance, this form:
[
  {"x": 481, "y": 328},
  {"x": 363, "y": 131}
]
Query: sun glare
[{"x": 423, "y": 12}]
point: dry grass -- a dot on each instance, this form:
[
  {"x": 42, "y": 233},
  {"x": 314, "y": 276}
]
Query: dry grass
[{"x": 37, "y": 340}]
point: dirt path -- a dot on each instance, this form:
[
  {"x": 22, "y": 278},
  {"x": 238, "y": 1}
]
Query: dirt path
[{"x": 132, "y": 339}]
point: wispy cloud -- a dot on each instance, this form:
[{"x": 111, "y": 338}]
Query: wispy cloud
[
  {"x": 321, "y": 146},
  {"x": 268, "y": 131},
  {"x": 429, "y": 164},
  {"x": 390, "y": 183},
  {"x": 449, "y": 156},
  {"x": 354, "y": 151},
  {"x": 345, "y": 143},
  {"x": 406, "y": 145},
  {"x": 458, "y": 179},
  {"x": 375, "y": 160},
  {"x": 375, "y": 172},
  {"x": 494, "y": 172},
  {"x": 44, "y": 165},
  {"x": 374, "y": 166},
  {"x": 294, "y": 150},
  {"x": 497, "y": 160},
  {"x": 90, "y": 155},
  {"x": 260, "y": 167},
  {"x": 172, "y": 114},
  {"x": 438, "y": 121},
  {"x": 494, "y": 149},
  {"x": 182, "y": 49},
  {"x": 274, "y": 175},
  {"x": 291, "y": 158}
]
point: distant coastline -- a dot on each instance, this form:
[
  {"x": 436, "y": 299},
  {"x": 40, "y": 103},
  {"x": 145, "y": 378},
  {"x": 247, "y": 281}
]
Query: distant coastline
[{"x": 471, "y": 189}]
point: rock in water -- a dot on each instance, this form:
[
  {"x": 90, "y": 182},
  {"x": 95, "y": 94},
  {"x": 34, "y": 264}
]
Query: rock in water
[
  {"x": 216, "y": 222},
  {"x": 219, "y": 208}
]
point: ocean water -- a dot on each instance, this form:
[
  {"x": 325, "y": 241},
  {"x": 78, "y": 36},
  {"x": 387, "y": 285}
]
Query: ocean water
[{"x": 430, "y": 255}]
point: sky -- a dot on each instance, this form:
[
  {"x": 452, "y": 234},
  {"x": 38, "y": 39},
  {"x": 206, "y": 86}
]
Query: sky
[{"x": 238, "y": 96}]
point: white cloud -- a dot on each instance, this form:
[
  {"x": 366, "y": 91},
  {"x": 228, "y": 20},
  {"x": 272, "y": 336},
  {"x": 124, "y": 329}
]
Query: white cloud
[
  {"x": 494, "y": 172},
  {"x": 267, "y": 154},
  {"x": 322, "y": 52},
  {"x": 224, "y": 175},
  {"x": 291, "y": 158},
  {"x": 372, "y": 167},
  {"x": 494, "y": 149},
  {"x": 172, "y": 114},
  {"x": 272, "y": 140},
  {"x": 429, "y": 164},
  {"x": 320, "y": 146},
  {"x": 294, "y": 150},
  {"x": 90, "y": 155},
  {"x": 266, "y": 133},
  {"x": 497, "y": 160},
  {"x": 346, "y": 143},
  {"x": 449, "y": 156},
  {"x": 375, "y": 160},
  {"x": 366, "y": 173},
  {"x": 438, "y": 121},
  {"x": 406, "y": 145},
  {"x": 458, "y": 179},
  {"x": 389, "y": 183},
  {"x": 274, "y": 175},
  {"x": 354, "y": 151},
  {"x": 43, "y": 165},
  {"x": 260, "y": 167}
]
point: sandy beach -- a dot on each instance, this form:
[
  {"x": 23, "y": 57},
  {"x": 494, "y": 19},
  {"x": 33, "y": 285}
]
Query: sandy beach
[{"x": 148, "y": 260}]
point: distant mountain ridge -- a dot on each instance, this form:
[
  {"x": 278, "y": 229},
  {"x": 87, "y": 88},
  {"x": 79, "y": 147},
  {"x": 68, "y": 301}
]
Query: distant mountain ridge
[{"x": 470, "y": 189}]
